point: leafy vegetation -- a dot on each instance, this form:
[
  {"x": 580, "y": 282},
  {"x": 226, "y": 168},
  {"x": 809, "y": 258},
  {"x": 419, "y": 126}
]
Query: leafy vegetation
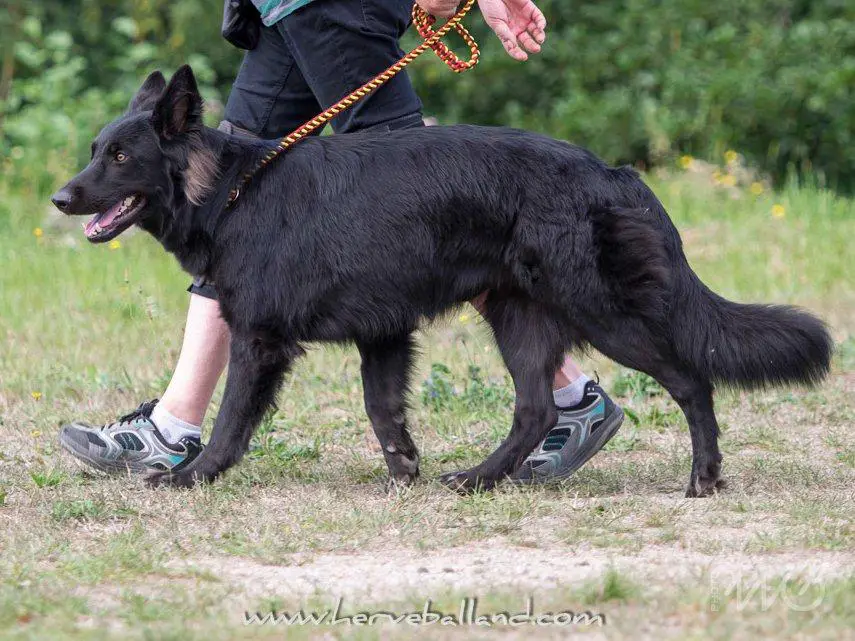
[
  {"x": 440, "y": 393},
  {"x": 636, "y": 82},
  {"x": 636, "y": 385}
]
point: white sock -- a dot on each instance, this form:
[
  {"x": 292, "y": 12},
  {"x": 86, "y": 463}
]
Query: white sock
[
  {"x": 171, "y": 427},
  {"x": 572, "y": 394}
]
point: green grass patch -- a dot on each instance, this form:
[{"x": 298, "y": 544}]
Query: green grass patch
[{"x": 88, "y": 332}]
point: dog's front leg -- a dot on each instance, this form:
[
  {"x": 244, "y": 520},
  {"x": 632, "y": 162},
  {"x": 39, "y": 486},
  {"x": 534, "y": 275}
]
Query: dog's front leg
[
  {"x": 256, "y": 368},
  {"x": 385, "y": 379}
]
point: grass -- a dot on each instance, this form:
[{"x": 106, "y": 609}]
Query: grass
[{"x": 90, "y": 331}]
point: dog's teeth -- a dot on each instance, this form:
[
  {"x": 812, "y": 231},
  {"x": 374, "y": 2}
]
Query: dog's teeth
[
  {"x": 128, "y": 201},
  {"x": 98, "y": 229}
]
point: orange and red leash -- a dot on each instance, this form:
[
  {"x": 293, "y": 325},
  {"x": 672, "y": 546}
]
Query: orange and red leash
[{"x": 432, "y": 40}]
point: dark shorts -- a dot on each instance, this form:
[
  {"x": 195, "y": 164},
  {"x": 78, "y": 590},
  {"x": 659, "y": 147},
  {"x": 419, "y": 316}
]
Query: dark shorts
[{"x": 311, "y": 59}]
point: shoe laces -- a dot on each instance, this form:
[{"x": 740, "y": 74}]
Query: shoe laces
[{"x": 143, "y": 411}]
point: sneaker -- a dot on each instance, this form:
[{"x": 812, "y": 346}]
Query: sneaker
[
  {"x": 581, "y": 432},
  {"x": 133, "y": 443}
]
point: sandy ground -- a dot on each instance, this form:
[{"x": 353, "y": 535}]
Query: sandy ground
[{"x": 499, "y": 566}]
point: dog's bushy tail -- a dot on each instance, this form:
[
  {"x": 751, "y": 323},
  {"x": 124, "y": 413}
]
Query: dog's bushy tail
[
  {"x": 749, "y": 345},
  {"x": 728, "y": 343}
]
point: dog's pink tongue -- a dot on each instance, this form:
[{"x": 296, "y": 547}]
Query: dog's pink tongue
[
  {"x": 110, "y": 215},
  {"x": 102, "y": 220}
]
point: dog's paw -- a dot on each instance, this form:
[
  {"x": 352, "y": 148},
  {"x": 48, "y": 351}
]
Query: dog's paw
[
  {"x": 466, "y": 482},
  {"x": 403, "y": 470},
  {"x": 396, "y": 485},
  {"x": 700, "y": 487},
  {"x": 167, "y": 479}
]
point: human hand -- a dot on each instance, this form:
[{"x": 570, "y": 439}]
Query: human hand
[
  {"x": 519, "y": 24},
  {"x": 439, "y": 8}
]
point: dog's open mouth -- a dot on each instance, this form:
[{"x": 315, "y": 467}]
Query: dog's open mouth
[{"x": 109, "y": 224}]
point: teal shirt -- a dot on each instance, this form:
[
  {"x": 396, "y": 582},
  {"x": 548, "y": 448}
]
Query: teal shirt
[{"x": 272, "y": 11}]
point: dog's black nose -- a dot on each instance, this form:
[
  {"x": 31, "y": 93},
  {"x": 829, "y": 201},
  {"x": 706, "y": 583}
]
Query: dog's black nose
[{"x": 62, "y": 199}]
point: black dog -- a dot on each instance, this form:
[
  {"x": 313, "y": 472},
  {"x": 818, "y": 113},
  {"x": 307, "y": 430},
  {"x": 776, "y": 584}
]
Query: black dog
[{"x": 361, "y": 237}]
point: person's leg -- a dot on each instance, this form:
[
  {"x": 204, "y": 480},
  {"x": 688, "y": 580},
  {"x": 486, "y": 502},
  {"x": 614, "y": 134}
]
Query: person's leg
[
  {"x": 163, "y": 435},
  {"x": 270, "y": 97},
  {"x": 204, "y": 354},
  {"x": 339, "y": 45}
]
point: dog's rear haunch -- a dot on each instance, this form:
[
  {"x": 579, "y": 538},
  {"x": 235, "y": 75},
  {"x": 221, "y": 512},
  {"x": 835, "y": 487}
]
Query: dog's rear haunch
[{"x": 362, "y": 237}]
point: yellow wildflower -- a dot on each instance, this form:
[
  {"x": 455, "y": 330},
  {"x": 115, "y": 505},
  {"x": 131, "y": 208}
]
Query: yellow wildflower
[
  {"x": 115, "y": 244},
  {"x": 729, "y": 180},
  {"x": 36, "y": 395},
  {"x": 686, "y": 161},
  {"x": 730, "y": 156},
  {"x": 38, "y": 232},
  {"x": 757, "y": 188},
  {"x": 778, "y": 211},
  {"x": 36, "y": 433}
]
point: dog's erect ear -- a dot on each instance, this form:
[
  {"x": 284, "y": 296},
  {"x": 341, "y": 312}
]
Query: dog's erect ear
[
  {"x": 179, "y": 109},
  {"x": 147, "y": 96}
]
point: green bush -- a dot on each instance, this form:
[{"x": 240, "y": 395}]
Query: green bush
[
  {"x": 638, "y": 81},
  {"x": 75, "y": 67}
]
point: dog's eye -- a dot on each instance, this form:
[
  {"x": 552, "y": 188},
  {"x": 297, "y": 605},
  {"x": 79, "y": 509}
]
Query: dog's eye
[{"x": 121, "y": 156}]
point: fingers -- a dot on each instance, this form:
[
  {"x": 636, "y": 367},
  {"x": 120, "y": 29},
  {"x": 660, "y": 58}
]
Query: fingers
[
  {"x": 518, "y": 47},
  {"x": 522, "y": 30},
  {"x": 509, "y": 41},
  {"x": 537, "y": 25},
  {"x": 528, "y": 42},
  {"x": 535, "y": 31}
]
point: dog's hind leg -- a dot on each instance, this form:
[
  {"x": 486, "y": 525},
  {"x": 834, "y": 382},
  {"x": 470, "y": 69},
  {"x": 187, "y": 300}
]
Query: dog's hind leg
[
  {"x": 695, "y": 399},
  {"x": 385, "y": 379},
  {"x": 631, "y": 343},
  {"x": 256, "y": 367},
  {"x": 532, "y": 347}
]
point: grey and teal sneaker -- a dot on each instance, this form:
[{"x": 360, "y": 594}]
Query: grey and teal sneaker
[
  {"x": 133, "y": 443},
  {"x": 581, "y": 431}
]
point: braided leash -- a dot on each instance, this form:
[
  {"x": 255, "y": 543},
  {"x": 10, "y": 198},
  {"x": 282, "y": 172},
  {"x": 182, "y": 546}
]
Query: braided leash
[{"x": 432, "y": 40}]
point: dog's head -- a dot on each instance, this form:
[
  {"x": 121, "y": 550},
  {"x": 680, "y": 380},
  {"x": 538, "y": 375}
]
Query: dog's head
[{"x": 144, "y": 163}]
